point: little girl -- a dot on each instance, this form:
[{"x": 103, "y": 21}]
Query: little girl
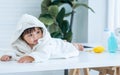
[{"x": 33, "y": 43}]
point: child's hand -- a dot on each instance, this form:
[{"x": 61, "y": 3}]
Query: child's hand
[
  {"x": 78, "y": 46},
  {"x": 5, "y": 58},
  {"x": 26, "y": 59}
]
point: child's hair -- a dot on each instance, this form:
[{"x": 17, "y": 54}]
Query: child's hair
[{"x": 29, "y": 30}]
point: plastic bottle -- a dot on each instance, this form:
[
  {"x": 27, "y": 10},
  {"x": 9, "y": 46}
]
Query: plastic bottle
[{"x": 112, "y": 43}]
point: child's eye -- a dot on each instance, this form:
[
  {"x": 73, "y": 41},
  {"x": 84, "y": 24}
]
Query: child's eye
[
  {"x": 30, "y": 35},
  {"x": 38, "y": 32}
]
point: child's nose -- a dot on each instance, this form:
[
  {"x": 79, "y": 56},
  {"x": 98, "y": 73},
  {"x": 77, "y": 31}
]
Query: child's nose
[{"x": 35, "y": 37}]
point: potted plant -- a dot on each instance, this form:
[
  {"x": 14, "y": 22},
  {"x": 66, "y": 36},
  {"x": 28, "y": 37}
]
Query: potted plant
[{"x": 54, "y": 17}]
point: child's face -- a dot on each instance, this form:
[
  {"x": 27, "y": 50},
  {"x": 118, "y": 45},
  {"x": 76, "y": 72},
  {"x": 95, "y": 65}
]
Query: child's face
[{"x": 32, "y": 38}]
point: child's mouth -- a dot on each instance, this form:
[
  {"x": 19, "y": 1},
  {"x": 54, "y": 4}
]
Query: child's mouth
[{"x": 35, "y": 41}]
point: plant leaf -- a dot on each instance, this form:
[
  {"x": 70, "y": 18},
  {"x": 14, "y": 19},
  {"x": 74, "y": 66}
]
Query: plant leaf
[
  {"x": 46, "y": 19},
  {"x": 82, "y": 4},
  {"x": 56, "y": 35},
  {"x": 68, "y": 36},
  {"x": 65, "y": 26},
  {"x": 53, "y": 10},
  {"x": 60, "y": 16},
  {"x": 68, "y": 14},
  {"x": 44, "y": 6}
]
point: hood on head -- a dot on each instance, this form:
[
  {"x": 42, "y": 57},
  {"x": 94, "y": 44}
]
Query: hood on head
[{"x": 28, "y": 21}]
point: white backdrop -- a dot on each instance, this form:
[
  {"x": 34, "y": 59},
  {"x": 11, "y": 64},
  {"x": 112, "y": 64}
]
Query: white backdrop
[{"x": 97, "y": 21}]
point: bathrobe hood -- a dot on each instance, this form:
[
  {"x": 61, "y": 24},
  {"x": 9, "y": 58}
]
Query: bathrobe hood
[{"x": 28, "y": 21}]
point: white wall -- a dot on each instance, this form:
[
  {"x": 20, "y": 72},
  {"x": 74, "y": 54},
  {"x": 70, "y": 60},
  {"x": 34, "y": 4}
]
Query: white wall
[
  {"x": 97, "y": 21},
  {"x": 88, "y": 26},
  {"x": 80, "y": 25}
]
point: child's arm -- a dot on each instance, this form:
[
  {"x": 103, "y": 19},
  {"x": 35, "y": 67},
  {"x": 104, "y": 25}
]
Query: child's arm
[
  {"x": 26, "y": 59},
  {"x": 5, "y": 58},
  {"x": 78, "y": 46}
]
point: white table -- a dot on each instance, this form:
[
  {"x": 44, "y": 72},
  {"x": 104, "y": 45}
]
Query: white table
[{"x": 84, "y": 60}]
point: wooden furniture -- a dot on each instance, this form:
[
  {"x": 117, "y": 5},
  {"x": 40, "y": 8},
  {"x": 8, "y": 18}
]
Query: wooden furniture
[
  {"x": 74, "y": 72},
  {"x": 106, "y": 70},
  {"x": 77, "y": 71},
  {"x": 118, "y": 70},
  {"x": 101, "y": 70}
]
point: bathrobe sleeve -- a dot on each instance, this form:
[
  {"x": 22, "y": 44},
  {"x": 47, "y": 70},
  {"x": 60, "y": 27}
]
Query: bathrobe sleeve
[
  {"x": 41, "y": 54},
  {"x": 9, "y": 52},
  {"x": 64, "y": 49}
]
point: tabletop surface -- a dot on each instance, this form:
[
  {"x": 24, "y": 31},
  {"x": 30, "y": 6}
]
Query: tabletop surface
[{"x": 84, "y": 60}]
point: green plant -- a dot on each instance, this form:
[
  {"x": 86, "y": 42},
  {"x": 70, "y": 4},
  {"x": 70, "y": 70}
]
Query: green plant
[{"x": 53, "y": 17}]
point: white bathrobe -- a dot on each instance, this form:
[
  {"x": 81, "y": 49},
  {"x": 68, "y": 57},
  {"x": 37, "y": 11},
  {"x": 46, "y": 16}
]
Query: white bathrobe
[{"x": 46, "y": 48}]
